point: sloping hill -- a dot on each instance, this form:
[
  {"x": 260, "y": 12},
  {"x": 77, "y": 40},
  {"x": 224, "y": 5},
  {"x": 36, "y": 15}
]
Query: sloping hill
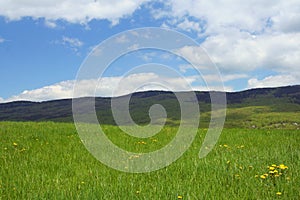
[{"x": 266, "y": 107}]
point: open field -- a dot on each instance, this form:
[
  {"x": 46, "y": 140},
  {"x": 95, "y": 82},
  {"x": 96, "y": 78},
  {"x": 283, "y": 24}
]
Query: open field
[{"x": 47, "y": 160}]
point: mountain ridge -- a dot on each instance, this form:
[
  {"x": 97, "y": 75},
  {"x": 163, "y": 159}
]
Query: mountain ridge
[{"x": 275, "y": 100}]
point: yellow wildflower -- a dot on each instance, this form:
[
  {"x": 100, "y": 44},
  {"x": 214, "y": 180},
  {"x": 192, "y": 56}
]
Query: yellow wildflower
[
  {"x": 15, "y": 144},
  {"x": 142, "y": 142},
  {"x": 282, "y": 166},
  {"x": 263, "y": 177},
  {"x": 271, "y": 168},
  {"x": 179, "y": 197},
  {"x": 278, "y": 193}
]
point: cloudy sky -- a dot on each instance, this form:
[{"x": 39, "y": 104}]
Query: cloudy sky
[{"x": 44, "y": 43}]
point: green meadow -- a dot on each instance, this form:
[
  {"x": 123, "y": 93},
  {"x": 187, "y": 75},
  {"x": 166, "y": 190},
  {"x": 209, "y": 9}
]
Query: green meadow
[{"x": 47, "y": 160}]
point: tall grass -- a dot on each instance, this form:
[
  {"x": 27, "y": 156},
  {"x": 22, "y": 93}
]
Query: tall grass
[{"x": 48, "y": 161}]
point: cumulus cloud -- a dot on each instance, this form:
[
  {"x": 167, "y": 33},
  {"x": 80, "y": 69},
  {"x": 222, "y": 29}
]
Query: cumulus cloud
[
  {"x": 241, "y": 37},
  {"x": 189, "y": 25},
  {"x": 74, "y": 11},
  {"x": 212, "y": 77},
  {"x": 251, "y": 16},
  {"x": 196, "y": 56},
  {"x": 273, "y": 81},
  {"x": 50, "y": 24},
  {"x": 112, "y": 86},
  {"x": 245, "y": 52},
  {"x": 72, "y": 43},
  {"x": 55, "y": 91},
  {"x": 226, "y": 77}
]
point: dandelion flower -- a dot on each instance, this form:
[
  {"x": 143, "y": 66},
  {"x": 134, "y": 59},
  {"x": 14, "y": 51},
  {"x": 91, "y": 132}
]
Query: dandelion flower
[
  {"x": 278, "y": 193},
  {"x": 179, "y": 197},
  {"x": 15, "y": 144},
  {"x": 263, "y": 177},
  {"x": 282, "y": 166},
  {"x": 271, "y": 168}
]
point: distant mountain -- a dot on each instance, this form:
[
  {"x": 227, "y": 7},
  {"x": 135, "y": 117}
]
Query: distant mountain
[{"x": 243, "y": 108}]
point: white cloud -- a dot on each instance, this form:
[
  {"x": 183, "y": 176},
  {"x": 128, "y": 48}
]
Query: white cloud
[
  {"x": 50, "y": 24},
  {"x": 189, "y": 25},
  {"x": 185, "y": 67},
  {"x": 252, "y": 16},
  {"x": 148, "y": 57},
  {"x": 240, "y": 51},
  {"x": 2, "y": 40},
  {"x": 226, "y": 77},
  {"x": 213, "y": 88},
  {"x": 56, "y": 91},
  {"x": 74, "y": 11},
  {"x": 241, "y": 37},
  {"x": 122, "y": 39},
  {"x": 111, "y": 86},
  {"x": 72, "y": 43},
  {"x": 274, "y": 81},
  {"x": 133, "y": 47},
  {"x": 196, "y": 55}
]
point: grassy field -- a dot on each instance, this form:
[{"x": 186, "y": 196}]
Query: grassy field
[{"x": 47, "y": 160}]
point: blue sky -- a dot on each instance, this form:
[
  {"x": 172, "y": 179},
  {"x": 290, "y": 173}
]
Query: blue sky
[{"x": 43, "y": 43}]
